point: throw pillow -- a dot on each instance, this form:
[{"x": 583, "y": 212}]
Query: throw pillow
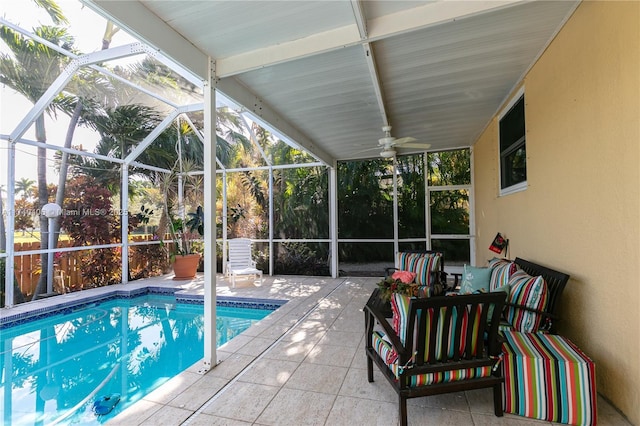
[
  {"x": 400, "y": 309},
  {"x": 530, "y": 292},
  {"x": 406, "y": 277},
  {"x": 501, "y": 272},
  {"x": 475, "y": 279},
  {"x": 421, "y": 263}
]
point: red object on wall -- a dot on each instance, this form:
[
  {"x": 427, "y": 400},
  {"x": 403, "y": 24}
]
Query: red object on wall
[{"x": 499, "y": 243}]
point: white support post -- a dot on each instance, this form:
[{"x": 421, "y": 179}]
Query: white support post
[
  {"x": 11, "y": 214},
  {"x": 427, "y": 201},
  {"x": 472, "y": 212},
  {"x": 271, "y": 260},
  {"x": 124, "y": 220},
  {"x": 225, "y": 214},
  {"x": 210, "y": 356},
  {"x": 333, "y": 217},
  {"x": 396, "y": 245},
  {"x": 181, "y": 209}
]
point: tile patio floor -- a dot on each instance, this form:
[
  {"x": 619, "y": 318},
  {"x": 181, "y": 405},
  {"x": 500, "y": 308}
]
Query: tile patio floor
[{"x": 304, "y": 365}]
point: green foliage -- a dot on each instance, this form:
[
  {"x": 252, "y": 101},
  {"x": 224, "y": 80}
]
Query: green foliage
[
  {"x": 144, "y": 215},
  {"x": 195, "y": 221},
  {"x": 365, "y": 205},
  {"x": 18, "y": 297},
  {"x": 237, "y": 213},
  {"x": 24, "y": 214},
  {"x": 152, "y": 260},
  {"x": 301, "y": 203},
  {"x": 299, "y": 259},
  {"x": 449, "y": 167},
  {"x": 89, "y": 220},
  {"x": 411, "y": 196}
]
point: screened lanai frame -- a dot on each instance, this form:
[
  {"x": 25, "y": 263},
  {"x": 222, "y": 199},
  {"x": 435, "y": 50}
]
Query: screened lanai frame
[{"x": 90, "y": 60}]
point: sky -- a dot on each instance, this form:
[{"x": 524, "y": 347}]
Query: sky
[{"x": 87, "y": 27}]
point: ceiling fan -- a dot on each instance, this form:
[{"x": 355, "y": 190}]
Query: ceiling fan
[{"x": 388, "y": 142}]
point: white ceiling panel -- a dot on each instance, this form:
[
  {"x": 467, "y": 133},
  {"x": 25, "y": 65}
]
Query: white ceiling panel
[
  {"x": 438, "y": 72},
  {"x": 329, "y": 96},
  {"x": 227, "y": 28}
]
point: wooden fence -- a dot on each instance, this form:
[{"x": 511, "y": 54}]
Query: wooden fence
[{"x": 67, "y": 268}]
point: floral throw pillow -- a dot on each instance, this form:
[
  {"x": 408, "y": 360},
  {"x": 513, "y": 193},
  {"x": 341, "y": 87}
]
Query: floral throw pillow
[
  {"x": 406, "y": 277},
  {"x": 475, "y": 280}
]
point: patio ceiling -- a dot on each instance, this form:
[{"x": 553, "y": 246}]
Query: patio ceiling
[{"x": 330, "y": 74}]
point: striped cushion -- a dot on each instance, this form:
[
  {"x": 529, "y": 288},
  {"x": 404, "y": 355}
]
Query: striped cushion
[
  {"x": 441, "y": 352},
  {"x": 400, "y": 309},
  {"x": 548, "y": 378},
  {"x": 386, "y": 352},
  {"x": 383, "y": 347},
  {"x": 501, "y": 272},
  {"x": 527, "y": 291},
  {"x": 420, "y": 263},
  {"x": 444, "y": 376}
]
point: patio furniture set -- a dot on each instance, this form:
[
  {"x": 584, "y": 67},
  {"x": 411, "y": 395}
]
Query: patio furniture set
[{"x": 497, "y": 330}]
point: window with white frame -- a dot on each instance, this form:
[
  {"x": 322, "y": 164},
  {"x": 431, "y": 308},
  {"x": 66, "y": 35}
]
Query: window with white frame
[{"x": 513, "y": 152}]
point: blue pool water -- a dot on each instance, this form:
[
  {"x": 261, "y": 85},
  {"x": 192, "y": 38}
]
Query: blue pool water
[{"x": 55, "y": 368}]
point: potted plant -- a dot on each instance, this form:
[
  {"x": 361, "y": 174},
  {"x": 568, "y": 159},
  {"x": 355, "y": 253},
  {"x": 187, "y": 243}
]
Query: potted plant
[
  {"x": 185, "y": 257},
  {"x": 185, "y": 231}
]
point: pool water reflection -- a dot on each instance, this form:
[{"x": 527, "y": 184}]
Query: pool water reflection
[{"x": 55, "y": 368}]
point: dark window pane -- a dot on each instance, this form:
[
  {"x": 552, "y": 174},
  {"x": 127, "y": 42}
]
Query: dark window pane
[
  {"x": 449, "y": 212},
  {"x": 513, "y": 155},
  {"x": 512, "y": 126},
  {"x": 513, "y": 167}
]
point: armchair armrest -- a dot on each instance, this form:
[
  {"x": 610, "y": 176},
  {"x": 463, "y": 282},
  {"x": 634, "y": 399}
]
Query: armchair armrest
[
  {"x": 548, "y": 320},
  {"x": 374, "y": 314},
  {"x": 457, "y": 276},
  {"x": 389, "y": 271}
]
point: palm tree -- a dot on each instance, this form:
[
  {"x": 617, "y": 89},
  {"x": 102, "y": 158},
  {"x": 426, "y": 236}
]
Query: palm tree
[
  {"x": 30, "y": 72},
  {"x": 24, "y": 185},
  {"x": 53, "y": 10}
]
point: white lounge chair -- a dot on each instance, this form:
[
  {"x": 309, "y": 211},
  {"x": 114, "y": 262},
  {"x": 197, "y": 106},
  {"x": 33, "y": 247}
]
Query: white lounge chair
[{"x": 240, "y": 261}]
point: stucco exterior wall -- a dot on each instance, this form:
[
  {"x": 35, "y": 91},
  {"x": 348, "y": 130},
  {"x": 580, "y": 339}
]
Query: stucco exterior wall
[{"x": 581, "y": 211}]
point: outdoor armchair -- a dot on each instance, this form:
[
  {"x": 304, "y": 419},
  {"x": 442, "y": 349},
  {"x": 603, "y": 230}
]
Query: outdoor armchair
[{"x": 436, "y": 345}]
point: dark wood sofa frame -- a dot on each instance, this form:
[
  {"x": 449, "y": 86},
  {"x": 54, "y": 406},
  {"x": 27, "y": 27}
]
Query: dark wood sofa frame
[
  {"x": 556, "y": 282},
  {"x": 417, "y": 362}
]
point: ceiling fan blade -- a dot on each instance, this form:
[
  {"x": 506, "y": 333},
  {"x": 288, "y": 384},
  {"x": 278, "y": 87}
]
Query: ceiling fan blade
[
  {"x": 376, "y": 148},
  {"x": 417, "y": 145},
  {"x": 402, "y": 141}
]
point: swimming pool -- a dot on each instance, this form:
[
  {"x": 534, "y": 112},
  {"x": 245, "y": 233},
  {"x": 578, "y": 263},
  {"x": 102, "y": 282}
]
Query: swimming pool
[{"x": 55, "y": 368}]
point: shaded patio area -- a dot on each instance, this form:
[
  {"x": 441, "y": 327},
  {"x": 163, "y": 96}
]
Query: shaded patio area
[{"x": 303, "y": 364}]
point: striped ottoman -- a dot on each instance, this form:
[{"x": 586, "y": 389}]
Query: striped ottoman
[{"x": 548, "y": 378}]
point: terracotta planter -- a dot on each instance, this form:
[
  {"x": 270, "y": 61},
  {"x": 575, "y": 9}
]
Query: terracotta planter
[{"x": 185, "y": 267}]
